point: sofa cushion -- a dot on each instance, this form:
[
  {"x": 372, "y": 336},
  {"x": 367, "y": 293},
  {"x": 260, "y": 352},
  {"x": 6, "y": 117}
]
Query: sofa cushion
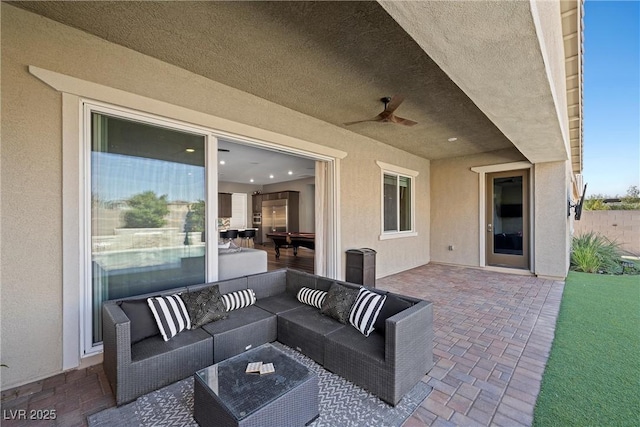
[
  {"x": 155, "y": 346},
  {"x": 338, "y": 302},
  {"x": 244, "y": 328},
  {"x": 304, "y": 329},
  {"x": 365, "y": 310},
  {"x": 268, "y": 284},
  {"x": 312, "y": 297},
  {"x": 324, "y": 283},
  {"x": 357, "y": 345},
  {"x": 297, "y": 279},
  {"x": 392, "y": 306},
  {"x": 204, "y": 306},
  {"x": 171, "y": 315},
  {"x": 239, "y": 299},
  {"x": 279, "y": 303},
  {"x": 142, "y": 323}
]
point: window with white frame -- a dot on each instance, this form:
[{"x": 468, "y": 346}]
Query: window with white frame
[
  {"x": 238, "y": 210},
  {"x": 398, "y": 201}
]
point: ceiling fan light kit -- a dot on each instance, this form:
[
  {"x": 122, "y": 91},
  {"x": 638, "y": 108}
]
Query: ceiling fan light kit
[{"x": 391, "y": 103}]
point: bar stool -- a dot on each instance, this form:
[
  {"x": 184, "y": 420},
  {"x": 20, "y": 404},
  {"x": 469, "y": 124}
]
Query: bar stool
[
  {"x": 246, "y": 237},
  {"x": 228, "y": 235},
  {"x": 232, "y": 235}
]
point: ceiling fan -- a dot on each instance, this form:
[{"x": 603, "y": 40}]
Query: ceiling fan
[{"x": 387, "y": 116}]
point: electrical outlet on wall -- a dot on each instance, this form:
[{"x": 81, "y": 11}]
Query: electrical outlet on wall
[{"x": 451, "y": 247}]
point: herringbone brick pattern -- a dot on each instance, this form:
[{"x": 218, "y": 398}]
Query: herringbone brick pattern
[{"x": 493, "y": 334}]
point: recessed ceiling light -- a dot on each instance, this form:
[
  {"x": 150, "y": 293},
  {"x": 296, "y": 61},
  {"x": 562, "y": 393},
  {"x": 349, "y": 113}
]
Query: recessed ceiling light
[
  {"x": 251, "y": 180},
  {"x": 222, "y": 162},
  {"x": 271, "y": 176},
  {"x": 290, "y": 172},
  {"x": 190, "y": 150},
  {"x": 452, "y": 139}
]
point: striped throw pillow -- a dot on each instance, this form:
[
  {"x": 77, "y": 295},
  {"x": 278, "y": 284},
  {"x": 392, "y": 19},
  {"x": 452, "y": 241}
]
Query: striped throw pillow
[
  {"x": 171, "y": 315},
  {"x": 365, "y": 310},
  {"x": 312, "y": 297},
  {"x": 239, "y": 299}
]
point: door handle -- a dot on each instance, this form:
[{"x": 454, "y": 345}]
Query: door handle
[{"x": 489, "y": 228}]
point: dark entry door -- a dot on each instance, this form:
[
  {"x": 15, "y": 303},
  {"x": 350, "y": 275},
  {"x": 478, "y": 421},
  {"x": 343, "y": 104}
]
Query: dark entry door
[{"x": 507, "y": 225}]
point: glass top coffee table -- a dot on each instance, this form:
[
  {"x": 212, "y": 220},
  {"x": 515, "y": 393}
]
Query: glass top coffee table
[{"x": 225, "y": 395}]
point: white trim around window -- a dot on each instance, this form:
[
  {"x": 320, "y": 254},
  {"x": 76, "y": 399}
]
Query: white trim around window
[{"x": 398, "y": 172}]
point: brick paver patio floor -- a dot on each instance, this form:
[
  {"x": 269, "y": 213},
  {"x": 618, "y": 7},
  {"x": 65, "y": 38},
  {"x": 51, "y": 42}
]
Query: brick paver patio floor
[{"x": 493, "y": 334}]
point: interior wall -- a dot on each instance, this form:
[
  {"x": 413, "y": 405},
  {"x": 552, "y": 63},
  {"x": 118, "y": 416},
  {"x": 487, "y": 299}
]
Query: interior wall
[
  {"x": 31, "y": 173},
  {"x": 248, "y": 189},
  {"x": 306, "y": 187},
  {"x": 455, "y": 206}
]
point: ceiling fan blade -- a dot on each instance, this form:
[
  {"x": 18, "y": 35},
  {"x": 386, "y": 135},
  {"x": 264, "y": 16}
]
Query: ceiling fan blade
[
  {"x": 375, "y": 119},
  {"x": 395, "y": 102},
  {"x": 401, "y": 121}
]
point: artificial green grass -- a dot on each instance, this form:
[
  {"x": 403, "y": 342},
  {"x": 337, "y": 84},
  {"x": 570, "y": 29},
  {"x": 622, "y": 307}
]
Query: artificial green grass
[{"x": 592, "y": 377}]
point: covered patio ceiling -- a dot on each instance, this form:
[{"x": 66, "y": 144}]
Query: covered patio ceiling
[{"x": 335, "y": 60}]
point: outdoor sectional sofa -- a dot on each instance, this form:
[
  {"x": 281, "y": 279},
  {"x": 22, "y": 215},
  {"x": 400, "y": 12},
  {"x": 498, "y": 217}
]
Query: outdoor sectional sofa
[{"x": 388, "y": 362}]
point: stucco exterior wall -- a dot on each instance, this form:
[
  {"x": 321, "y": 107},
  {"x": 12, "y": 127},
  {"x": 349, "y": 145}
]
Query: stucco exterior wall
[
  {"x": 548, "y": 22},
  {"x": 455, "y": 206},
  {"x": 31, "y": 168},
  {"x": 552, "y": 224},
  {"x": 507, "y": 56}
]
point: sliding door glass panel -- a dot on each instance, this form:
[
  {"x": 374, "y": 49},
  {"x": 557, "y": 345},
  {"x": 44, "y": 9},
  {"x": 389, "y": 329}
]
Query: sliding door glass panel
[
  {"x": 390, "y": 203},
  {"x": 147, "y": 210},
  {"x": 508, "y": 223}
]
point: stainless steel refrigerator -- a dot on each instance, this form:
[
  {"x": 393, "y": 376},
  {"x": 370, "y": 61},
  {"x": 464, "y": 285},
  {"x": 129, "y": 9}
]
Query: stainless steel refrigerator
[
  {"x": 276, "y": 212},
  {"x": 274, "y": 217}
]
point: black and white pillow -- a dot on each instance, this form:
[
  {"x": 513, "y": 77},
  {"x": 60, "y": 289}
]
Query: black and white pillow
[
  {"x": 312, "y": 297},
  {"x": 171, "y": 315},
  {"x": 239, "y": 299},
  {"x": 365, "y": 310}
]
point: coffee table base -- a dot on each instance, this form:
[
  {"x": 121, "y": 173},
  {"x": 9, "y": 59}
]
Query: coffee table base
[{"x": 298, "y": 407}]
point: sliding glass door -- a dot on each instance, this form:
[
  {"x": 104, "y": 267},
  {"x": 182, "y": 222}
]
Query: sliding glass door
[{"x": 148, "y": 217}]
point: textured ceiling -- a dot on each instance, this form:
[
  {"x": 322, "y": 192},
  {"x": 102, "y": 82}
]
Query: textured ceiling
[{"x": 329, "y": 60}]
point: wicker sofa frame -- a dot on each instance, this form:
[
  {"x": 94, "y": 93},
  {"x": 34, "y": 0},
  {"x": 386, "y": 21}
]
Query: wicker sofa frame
[{"x": 388, "y": 365}]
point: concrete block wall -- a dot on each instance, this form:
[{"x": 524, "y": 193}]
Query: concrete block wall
[{"x": 621, "y": 226}]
